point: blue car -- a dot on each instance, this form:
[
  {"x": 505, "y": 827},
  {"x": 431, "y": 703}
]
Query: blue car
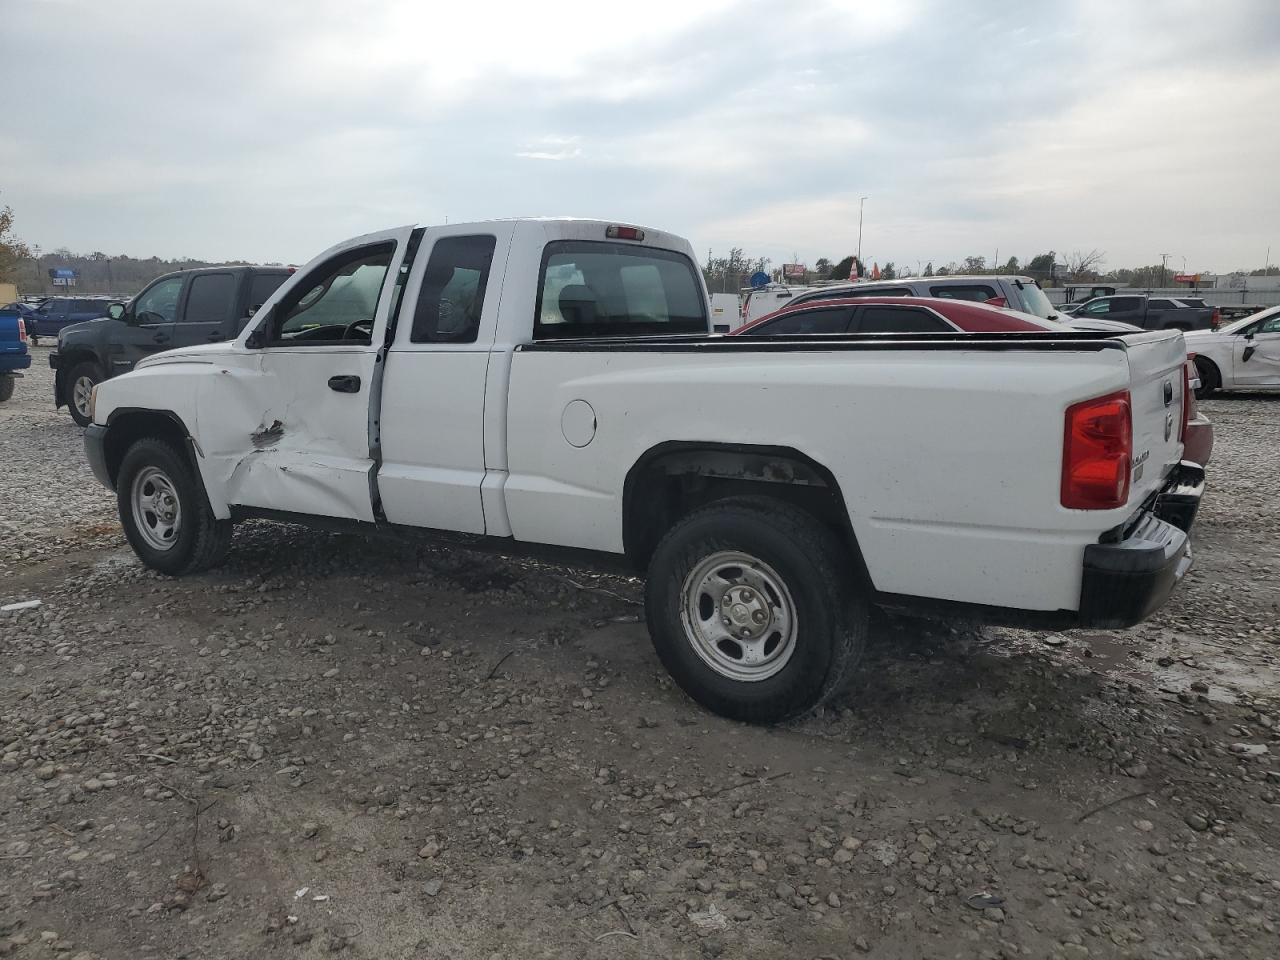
[{"x": 48, "y": 319}]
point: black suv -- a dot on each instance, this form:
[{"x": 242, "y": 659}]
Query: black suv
[{"x": 177, "y": 310}]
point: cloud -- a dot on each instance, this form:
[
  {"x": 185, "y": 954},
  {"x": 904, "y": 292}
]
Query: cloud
[
  {"x": 270, "y": 130},
  {"x": 552, "y": 148}
]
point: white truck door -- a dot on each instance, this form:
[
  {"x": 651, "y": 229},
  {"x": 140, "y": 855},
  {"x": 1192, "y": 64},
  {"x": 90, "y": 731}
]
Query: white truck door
[
  {"x": 288, "y": 424},
  {"x": 433, "y": 390}
]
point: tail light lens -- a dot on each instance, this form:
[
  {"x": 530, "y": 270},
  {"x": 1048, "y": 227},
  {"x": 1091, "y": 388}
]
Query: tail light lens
[
  {"x": 996, "y": 301},
  {"x": 1215, "y": 319},
  {"x": 1097, "y": 453},
  {"x": 22, "y": 331}
]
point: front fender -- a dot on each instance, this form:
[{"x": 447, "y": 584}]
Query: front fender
[{"x": 172, "y": 390}]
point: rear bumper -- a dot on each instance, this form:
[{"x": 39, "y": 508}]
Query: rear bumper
[
  {"x": 1131, "y": 576},
  {"x": 95, "y": 450}
]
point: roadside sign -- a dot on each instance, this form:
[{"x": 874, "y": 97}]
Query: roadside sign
[
  {"x": 62, "y": 276},
  {"x": 759, "y": 279},
  {"x": 1186, "y": 278},
  {"x": 793, "y": 270}
]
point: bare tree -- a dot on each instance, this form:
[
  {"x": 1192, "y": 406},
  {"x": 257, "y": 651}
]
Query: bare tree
[{"x": 1084, "y": 266}]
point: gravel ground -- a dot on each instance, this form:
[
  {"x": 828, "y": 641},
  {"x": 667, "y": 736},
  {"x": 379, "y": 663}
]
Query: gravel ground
[{"x": 333, "y": 746}]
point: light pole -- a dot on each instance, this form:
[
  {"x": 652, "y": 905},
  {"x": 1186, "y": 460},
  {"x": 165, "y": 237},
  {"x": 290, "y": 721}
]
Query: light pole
[
  {"x": 1164, "y": 260},
  {"x": 861, "y": 203}
]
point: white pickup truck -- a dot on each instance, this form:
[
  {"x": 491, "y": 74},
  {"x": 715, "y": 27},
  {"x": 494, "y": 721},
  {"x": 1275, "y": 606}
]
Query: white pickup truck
[{"x": 552, "y": 383}]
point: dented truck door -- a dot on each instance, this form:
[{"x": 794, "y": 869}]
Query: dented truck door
[{"x": 285, "y": 423}]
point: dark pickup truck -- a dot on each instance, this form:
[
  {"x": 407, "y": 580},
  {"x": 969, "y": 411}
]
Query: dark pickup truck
[
  {"x": 1150, "y": 313},
  {"x": 177, "y": 310},
  {"x": 14, "y": 355}
]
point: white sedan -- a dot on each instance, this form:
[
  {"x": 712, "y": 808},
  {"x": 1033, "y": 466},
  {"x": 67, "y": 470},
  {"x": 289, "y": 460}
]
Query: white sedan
[{"x": 1244, "y": 355}]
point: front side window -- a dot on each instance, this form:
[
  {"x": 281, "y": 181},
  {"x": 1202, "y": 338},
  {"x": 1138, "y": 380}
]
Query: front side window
[
  {"x": 826, "y": 321},
  {"x": 1270, "y": 326},
  {"x": 337, "y": 302},
  {"x": 211, "y": 298},
  {"x": 453, "y": 287},
  {"x": 1097, "y": 308},
  {"x": 159, "y": 304},
  {"x": 977, "y": 292},
  {"x": 594, "y": 289},
  {"x": 899, "y": 320}
]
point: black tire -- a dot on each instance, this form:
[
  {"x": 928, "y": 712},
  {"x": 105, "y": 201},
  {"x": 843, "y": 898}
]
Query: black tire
[
  {"x": 6, "y": 388},
  {"x": 201, "y": 540},
  {"x": 85, "y": 369},
  {"x": 830, "y": 612},
  {"x": 1210, "y": 377}
]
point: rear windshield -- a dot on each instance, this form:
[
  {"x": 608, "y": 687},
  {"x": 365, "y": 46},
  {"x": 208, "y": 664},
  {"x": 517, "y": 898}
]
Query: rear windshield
[{"x": 592, "y": 289}]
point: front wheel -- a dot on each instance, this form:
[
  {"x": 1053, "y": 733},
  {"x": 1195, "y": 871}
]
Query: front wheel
[
  {"x": 166, "y": 515},
  {"x": 81, "y": 380},
  {"x": 753, "y": 609}
]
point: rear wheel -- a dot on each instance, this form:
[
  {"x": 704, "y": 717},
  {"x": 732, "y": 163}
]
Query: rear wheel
[
  {"x": 753, "y": 610},
  {"x": 166, "y": 515},
  {"x": 81, "y": 380},
  {"x": 6, "y": 388},
  {"x": 1210, "y": 377}
]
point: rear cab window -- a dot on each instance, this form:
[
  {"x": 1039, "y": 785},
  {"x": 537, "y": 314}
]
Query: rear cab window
[{"x": 590, "y": 288}]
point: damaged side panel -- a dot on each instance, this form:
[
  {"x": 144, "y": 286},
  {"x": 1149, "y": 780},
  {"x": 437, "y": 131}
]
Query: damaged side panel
[{"x": 273, "y": 434}]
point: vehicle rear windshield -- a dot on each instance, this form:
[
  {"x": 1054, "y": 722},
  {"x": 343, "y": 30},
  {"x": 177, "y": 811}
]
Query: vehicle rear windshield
[{"x": 595, "y": 289}]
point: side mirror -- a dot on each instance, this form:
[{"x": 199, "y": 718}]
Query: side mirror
[
  {"x": 116, "y": 311},
  {"x": 1248, "y": 351},
  {"x": 257, "y": 338}
]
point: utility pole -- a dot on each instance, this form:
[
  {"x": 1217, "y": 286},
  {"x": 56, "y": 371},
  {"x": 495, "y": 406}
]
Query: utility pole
[
  {"x": 1164, "y": 260},
  {"x": 861, "y": 203}
]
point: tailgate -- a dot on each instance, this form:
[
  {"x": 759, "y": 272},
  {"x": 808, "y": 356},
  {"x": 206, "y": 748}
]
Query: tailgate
[{"x": 1156, "y": 378}]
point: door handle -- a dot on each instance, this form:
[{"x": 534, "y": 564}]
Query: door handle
[
  {"x": 160, "y": 338},
  {"x": 216, "y": 336},
  {"x": 346, "y": 383}
]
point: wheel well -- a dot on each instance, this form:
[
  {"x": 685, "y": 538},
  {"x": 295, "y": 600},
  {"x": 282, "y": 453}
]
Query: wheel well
[
  {"x": 129, "y": 427},
  {"x": 674, "y": 479},
  {"x": 66, "y": 363},
  {"x": 1204, "y": 364}
]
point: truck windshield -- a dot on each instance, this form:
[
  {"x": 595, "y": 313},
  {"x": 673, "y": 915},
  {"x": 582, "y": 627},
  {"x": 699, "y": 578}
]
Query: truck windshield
[
  {"x": 593, "y": 289},
  {"x": 1035, "y": 301}
]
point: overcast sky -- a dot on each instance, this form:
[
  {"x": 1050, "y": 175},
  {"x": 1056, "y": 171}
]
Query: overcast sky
[{"x": 268, "y": 130}]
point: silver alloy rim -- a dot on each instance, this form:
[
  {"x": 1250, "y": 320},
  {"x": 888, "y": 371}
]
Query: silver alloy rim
[
  {"x": 157, "y": 514},
  {"x": 739, "y": 616},
  {"x": 81, "y": 393}
]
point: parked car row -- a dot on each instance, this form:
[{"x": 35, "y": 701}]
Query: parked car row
[{"x": 772, "y": 487}]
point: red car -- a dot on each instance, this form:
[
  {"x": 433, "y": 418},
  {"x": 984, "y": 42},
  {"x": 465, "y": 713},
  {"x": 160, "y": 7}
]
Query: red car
[
  {"x": 892, "y": 315},
  {"x": 939, "y": 315}
]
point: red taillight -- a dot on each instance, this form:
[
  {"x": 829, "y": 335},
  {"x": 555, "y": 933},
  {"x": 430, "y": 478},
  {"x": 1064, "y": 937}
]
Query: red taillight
[
  {"x": 1097, "y": 453},
  {"x": 22, "y": 331},
  {"x": 996, "y": 301},
  {"x": 616, "y": 232},
  {"x": 1215, "y": 319}
]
